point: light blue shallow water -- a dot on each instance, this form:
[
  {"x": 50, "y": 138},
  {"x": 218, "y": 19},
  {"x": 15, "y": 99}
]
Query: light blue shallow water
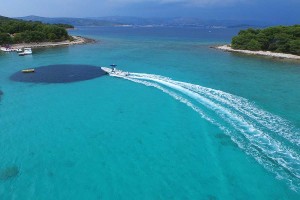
[{"x": 228, "y": 130}]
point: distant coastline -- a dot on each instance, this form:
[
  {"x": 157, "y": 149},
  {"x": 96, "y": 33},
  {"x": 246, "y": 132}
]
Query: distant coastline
[
  {"x": 77, "y": 40},
  {"x": 259, "y": 53}
]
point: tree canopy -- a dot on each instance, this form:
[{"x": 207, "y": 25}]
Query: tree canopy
[
  {"x": 18, "y": 31},
  {"x": 282, "y": 39}
]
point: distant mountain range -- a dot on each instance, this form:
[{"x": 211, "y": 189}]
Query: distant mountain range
[
  {"x": 137, "y": 21},
  {"x": 183, "y": 21},
  {"x": 72, "y": 21}
]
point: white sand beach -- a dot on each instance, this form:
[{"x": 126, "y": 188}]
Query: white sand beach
[
  {"x": 77, "y": 40},
  {"x": 260, "y": 53}
]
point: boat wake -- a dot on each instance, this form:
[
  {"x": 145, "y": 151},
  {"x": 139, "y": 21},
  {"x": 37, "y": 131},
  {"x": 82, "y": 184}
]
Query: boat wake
[{"x": 269, "y": 139}]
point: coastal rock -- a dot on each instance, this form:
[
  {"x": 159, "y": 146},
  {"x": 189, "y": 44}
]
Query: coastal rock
[{"x": 9, "y": 172}]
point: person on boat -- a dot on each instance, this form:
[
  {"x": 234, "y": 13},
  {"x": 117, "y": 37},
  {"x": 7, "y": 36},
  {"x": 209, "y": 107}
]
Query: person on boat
[{"x": 113, "y": 67}]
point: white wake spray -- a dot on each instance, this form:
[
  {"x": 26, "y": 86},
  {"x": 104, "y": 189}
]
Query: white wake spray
[{"x": 268, "y": 138}]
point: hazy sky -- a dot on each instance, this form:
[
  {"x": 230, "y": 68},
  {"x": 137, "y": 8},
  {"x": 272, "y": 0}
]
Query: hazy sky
[{"x": 279, "y": 11}]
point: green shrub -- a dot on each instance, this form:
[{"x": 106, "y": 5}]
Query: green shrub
[
  {"x": 28, "y": 31},
  {"x": 5, "y": 38},
  {"x": 283, "y": 39},
  {"x": 295, "y": 47}
]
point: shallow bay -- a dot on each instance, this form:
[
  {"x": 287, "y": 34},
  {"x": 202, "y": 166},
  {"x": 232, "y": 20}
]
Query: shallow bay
[{"x": 109, "y": 138}]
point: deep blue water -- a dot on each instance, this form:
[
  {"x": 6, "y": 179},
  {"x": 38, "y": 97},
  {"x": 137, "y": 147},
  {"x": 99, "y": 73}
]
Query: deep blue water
[{"x": 212, "y": 125}]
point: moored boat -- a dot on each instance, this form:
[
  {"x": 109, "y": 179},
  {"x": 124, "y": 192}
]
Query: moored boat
[
  {"x": 16, "y": 50},
  {"x": 6, "y": 49},
  {"x": 28, "y": 70},
  {"x": 27, "y": 51}
]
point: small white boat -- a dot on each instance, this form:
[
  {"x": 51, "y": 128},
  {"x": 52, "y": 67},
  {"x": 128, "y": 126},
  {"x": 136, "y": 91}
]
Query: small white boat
[
  {"x": 28, "y": 70},
  {"x": 27, "y": 51},
  {"x": 16, "y": 50},
  {"x": 5, "y": 49},
  {"x": 114, "y": 72}
]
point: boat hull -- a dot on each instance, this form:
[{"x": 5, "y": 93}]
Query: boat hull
[
  {"x": 24, "y": 54},
  {"x": 28, "y": 70},
  {"x": 115, "y": 73}
]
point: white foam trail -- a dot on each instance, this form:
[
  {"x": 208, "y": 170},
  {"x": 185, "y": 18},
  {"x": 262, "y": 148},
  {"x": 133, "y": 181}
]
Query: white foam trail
[
  {"x": 243, "y": 117},
  {"x": 272, "y": 122},
  {"x": 233, "y": 137},
  {"x": 177, "y": 97}
]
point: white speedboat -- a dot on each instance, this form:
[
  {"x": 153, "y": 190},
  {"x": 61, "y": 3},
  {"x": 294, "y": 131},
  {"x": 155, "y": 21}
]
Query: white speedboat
[
  {"x": 114, "y": 72},
  {"x": 27, "y": 51}
]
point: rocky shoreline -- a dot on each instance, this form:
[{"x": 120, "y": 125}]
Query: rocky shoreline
[
  {"x": 259, "y": 53},
  {"x": 77, "y": 40}
]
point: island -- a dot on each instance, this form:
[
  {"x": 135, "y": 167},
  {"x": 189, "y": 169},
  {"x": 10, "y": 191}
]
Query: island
[
  {"x": 15, "y": 33},
  {"x": 277, "y": 42}
]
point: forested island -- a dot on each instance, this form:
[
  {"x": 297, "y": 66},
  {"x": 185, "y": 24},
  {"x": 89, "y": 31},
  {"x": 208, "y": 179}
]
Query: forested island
[
  {"x": 278, "y": 39},
  {"x": 14, "y": 31}
]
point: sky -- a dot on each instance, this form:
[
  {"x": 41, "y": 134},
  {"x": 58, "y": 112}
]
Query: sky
[{"x": 276, "y": 11}]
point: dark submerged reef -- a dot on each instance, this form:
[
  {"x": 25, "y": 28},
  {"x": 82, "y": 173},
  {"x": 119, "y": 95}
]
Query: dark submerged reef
[
  {"x": 59, "y": 74},
  {"x": 1, "y": 94},
  {"x": 9, "y": 172}
]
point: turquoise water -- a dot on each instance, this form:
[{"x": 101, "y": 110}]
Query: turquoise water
[{"x": 212, "y": 125}]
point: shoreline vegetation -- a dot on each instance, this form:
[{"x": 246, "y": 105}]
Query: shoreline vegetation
[
  {"x": 259, "y": 53},
  {"x": 279, "y": 39},
  {"x": 278, "y": 42},
  {"x": 18, "y": 34}
]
